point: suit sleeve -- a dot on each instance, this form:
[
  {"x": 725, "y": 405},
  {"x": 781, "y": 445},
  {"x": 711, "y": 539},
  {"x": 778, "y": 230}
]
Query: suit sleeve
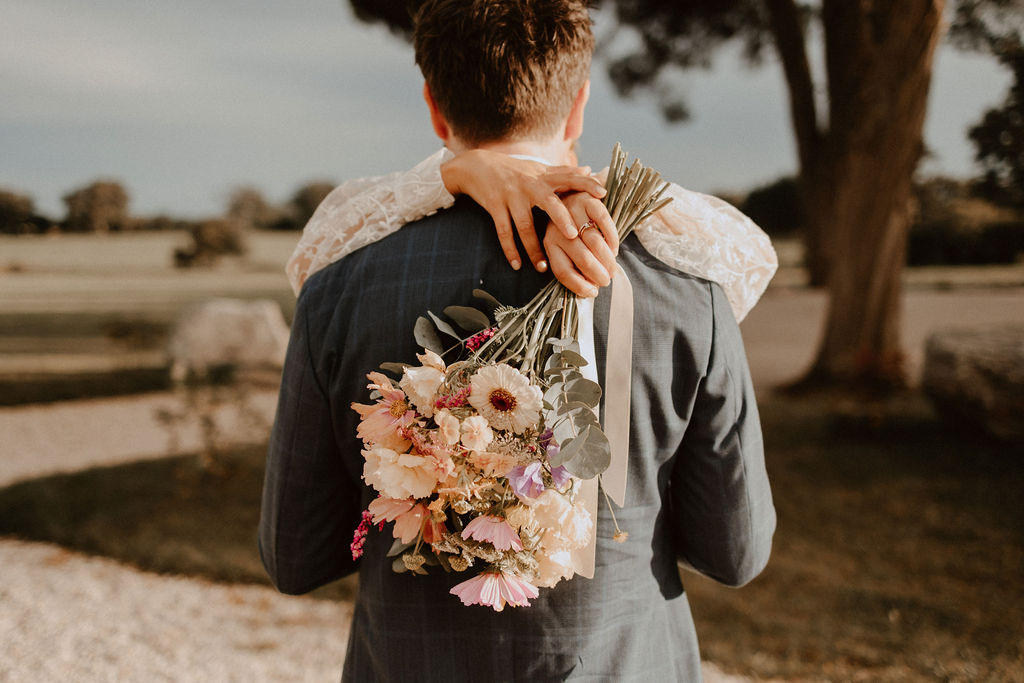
[
  {"x": 719, "y": 495},
  {"x": 311, "y": 504}
]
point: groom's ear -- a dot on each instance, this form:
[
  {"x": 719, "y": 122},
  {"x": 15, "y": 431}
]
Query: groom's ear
[
  {"x": 574, "y": 125},
  {"x": 441, "y": 127}
]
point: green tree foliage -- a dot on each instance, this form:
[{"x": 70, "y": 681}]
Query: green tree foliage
[
  {"x": 16, "y": 213},
  {"x": 101, "y": 206},
  {"x": 996, "y": 27},
  {"x": 306, "y": 199},
  {"x": 776, "y": 207},
  {"x": 248, "y": 208}
]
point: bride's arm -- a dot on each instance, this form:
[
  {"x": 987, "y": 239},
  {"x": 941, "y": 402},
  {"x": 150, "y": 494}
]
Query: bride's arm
[
  {"x": 364, "y": 211},
  {"x": 361, "y": 212},
  {"x": 706, "y": 236},
  {"x": 695, "y": 233}
]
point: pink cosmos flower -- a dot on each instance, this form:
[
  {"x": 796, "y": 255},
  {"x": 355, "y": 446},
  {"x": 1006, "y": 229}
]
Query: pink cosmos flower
[
  {"x": 388, "y": 509},
  {"x": 495, "y": 589},
  {"x": 409, "y": 518},
  {"x": 382, "y": 423},
  {"x": 494, "y": 530}
]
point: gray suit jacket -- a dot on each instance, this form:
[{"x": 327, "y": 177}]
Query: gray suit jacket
[{"x": 697, "y": 493}]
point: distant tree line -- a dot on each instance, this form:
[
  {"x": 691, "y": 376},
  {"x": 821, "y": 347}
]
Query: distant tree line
[{"x": 102, "y": 206}]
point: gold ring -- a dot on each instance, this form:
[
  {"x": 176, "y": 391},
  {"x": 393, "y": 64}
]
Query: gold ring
[{"x": 586, "y": 226}]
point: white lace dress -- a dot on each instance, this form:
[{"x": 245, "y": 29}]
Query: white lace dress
[{"x": 695, "y": 233}]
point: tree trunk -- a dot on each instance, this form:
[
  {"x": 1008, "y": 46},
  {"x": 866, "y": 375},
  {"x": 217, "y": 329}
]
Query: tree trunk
[{"x": 879, "y": 58}]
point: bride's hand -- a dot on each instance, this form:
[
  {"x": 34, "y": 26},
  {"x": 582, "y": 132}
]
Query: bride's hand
[
  {"x": 509, "y": 188},
  {"x": 586, "y": 262}
]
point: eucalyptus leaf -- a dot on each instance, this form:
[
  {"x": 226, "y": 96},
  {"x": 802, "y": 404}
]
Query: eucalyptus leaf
[
  {"x": 398, "y": 566},
  {"x": 552, "y": 373},
  {"x": 583, "y": 390},
  {"x": 564, "y": 430},
  {"x": 396, "y": 368},
  {"x": 569, "y": 356},
  {"x": 590, "y": 455},
  {"x": 468, "y": 318},
  {"x": 487, "y": 298},
  {"x": 398, "y": 547},
  {"x": 444, "y": 327},
  {"x": 573, "y": 405},
  {"x": 564, "y": 342},
  {"x": 583, "y": 417},
  {"x": 556, "y": 459},
  {"x": 426, "y": 335}
]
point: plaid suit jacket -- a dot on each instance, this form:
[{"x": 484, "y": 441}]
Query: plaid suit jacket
[{"x": 697, "y": 495}]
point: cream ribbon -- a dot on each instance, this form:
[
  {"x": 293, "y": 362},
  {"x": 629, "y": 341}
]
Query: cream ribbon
[{"x": 617, "y": 372}]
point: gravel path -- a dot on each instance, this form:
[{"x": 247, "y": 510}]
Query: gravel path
[{"x": 68, "y": 617}]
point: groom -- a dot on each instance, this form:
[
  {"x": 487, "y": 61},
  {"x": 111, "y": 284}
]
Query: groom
[{"x": 512, "y": 76}]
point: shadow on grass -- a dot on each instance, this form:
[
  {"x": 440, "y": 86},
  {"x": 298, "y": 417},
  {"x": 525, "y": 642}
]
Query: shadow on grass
[
  {"x": 167, "y": 516},
  {"x": 898, "y": 556}
]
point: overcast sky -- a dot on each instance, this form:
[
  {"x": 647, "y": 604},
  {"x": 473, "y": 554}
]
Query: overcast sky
[{"x": 183, "y": 101}]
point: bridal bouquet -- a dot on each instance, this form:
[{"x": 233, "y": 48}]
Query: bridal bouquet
[{"x": 478, "y": 462}]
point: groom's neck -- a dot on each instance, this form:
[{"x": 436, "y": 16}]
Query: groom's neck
[{"x": 554, "y": 151}]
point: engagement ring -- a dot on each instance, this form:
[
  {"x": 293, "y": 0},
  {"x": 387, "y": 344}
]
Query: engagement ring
[{"x": 587, "y": 226}]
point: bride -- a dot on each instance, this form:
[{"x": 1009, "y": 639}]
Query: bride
[{"x": 695, "y": 233}]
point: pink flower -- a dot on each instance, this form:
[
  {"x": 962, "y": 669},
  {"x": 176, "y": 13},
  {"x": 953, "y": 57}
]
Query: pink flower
[
  {"x": 476, "y": 433},
  {"x": 410, "y": 519},
  {"x": 494, "y": 530},
  {"x": 448, "y": 426},
  {"x": 495, "y": 589},
  {"x": 383, "y": 422},
  {"x": 359, "y": 537},
  {"x": 388, "y": 509},
  {"x": 399, "y": 475}
]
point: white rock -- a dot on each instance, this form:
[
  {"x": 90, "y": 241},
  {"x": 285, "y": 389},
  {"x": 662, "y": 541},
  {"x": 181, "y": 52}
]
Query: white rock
[
  {"x": 237, "y": 332},
  {"x": 976, "y": 377}
]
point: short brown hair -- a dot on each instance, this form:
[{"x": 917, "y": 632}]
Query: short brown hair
[{"x": 501, "y": 69}]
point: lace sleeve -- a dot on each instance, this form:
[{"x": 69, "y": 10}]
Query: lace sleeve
[
  {"x": 708, "y": 237},
  {"x": 363, "y": 211}
]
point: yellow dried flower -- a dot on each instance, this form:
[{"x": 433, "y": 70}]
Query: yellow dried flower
[
  {"x": 436, "y": 508},
  {"x": 413, "y": 562},
  {"x": 458, "y": 563},
  {"x": 620, "y": 536}
]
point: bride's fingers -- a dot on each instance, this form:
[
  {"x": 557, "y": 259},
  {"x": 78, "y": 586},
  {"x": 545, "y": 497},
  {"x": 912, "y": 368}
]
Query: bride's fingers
[
  {"x": 574, "y": 182},
  {"x": 553, "y": 206},
  {"x": 522, "y": 215},
  {"x": 598, "y": 213},
  {"x": 590, "y": 253},
  {"x": 503, "y": 226},
  {"x": 564, "y": 272}
]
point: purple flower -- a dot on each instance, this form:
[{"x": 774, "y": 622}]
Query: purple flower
[
  {"x": 527, "y": 481},
  {"x": 560, "y": 475},
  {"x": 547, "y": 440}
]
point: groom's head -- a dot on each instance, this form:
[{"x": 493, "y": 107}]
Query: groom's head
[{"x": 501, "y": 70}]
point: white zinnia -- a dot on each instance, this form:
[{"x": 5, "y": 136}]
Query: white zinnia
[
  {"x": 504, "y": 396},
  {"x": 397, "y": 475}
]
